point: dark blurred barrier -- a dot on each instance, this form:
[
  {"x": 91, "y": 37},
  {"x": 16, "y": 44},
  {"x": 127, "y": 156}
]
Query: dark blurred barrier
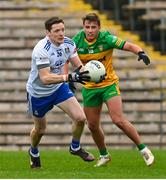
[
  {"x": 111, "y": 6},
  {"x": 140, "y": 16}
]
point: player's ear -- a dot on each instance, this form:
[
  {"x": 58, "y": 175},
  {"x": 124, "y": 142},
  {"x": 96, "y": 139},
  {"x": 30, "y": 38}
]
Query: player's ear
[{"x": 47, "y": 32}]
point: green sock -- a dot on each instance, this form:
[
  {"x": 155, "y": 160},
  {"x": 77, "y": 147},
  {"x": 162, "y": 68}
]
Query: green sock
[
  {"x": 141, "y": 146},
  {"x": 103, "y": 152}
]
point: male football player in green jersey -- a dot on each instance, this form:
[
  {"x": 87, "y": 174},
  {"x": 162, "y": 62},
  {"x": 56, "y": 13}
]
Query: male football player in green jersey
[{"x": 93, "y": 44}]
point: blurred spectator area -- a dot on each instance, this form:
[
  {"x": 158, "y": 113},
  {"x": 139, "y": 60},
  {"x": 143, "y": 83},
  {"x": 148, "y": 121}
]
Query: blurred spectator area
[
  {"x": 144, "y": 17},
  {"x": 143, "y": 88}
]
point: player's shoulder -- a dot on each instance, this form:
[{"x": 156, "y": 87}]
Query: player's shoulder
[
  {"x": 107, "y": 36},
  {"x": 79, "y": 36},
  {"x": 68, "y": 41},
  {"x": 43, "y": 45},
  {"x": 104, "y": 34}
]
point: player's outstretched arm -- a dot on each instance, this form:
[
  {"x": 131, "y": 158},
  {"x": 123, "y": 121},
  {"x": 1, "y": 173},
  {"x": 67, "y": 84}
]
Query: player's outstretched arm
[
  {"x": 76, "y": 76},
  {"x": 138, "y": 51}
]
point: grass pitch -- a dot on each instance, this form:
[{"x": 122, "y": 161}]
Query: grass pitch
[{"x": 61, "y": 165}]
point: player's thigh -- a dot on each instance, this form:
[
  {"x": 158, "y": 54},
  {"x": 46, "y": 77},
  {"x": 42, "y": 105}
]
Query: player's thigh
[
  {"x": 40, "y": 123},
  {"x": 73, "y": 109},
  {"x": 93, "y": 115},
  {"x": 114, "y": 105}
]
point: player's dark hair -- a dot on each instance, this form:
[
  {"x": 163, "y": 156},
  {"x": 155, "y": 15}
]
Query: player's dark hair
[
  {"x": 91, "y": 17},
  {"x": 51, "y": 21}
]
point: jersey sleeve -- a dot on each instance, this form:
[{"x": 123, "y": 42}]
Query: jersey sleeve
[
  {"x": 42, "y": 59},
  {"x": 71, "y": 47},
  {"x": 74, "y": 52},
  {"x": 74, "y": 38},
  {"x": 115, "y": 42}
]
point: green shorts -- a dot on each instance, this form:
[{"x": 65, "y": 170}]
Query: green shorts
[{"x": 95, "y": 97}]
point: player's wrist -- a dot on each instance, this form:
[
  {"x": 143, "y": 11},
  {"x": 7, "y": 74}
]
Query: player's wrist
[
  {"x": 65, "y": 77},
  {"x": 71, "y": 77},
  {"x": 141, "y": 52}
]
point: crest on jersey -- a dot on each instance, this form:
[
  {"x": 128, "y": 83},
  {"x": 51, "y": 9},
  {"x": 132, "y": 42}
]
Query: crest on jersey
[
  {"x": 100, "y": 47},
  {"x": 67, "y": 50}
]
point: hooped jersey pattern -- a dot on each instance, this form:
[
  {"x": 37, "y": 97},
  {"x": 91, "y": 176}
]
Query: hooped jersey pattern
[{"x": 100, "y": 50}]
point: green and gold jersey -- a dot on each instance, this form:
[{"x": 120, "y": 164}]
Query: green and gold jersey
[{"x": 101, "y": 49}]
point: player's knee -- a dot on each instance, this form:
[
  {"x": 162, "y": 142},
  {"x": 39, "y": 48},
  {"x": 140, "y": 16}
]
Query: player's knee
[
  {"x": 41, "y": 131},
  {"x": 93, "y": 127},
  {"x": 80, "y": 119},
  {"x": 118, "y": 121}
]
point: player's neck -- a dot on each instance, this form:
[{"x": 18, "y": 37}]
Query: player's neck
[
  {"x": 55, "y": 43},
  {"x": 90, "y": 41}
]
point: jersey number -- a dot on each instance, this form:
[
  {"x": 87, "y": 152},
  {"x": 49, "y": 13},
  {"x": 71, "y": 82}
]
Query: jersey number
[{"x": 59, "y": 53}]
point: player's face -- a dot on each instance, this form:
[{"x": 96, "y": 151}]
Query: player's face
[
  {"x": 56, "y": 34},
  {"x": 91, "y": 29}
]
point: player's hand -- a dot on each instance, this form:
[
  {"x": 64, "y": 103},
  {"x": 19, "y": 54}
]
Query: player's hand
[
  {"x": 144, "y": 57},
  {"x": 80, "y": 77},
  {"x": 72, "y": 86}
]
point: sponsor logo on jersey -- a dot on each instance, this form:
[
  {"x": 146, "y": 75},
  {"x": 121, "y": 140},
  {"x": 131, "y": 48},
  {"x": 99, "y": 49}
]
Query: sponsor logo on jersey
[
  {"x": 80, "y": 49},
  {"x": 57, "y": 64},
  {"x": 90, "y": 50}
]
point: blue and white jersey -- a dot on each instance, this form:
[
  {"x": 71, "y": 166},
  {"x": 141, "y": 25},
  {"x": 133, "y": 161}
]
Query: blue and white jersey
[{"x": 48, "y": 54}]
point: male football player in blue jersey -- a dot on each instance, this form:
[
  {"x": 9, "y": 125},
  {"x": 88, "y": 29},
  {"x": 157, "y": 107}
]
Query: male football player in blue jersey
[{"x": 47, "y": 87}]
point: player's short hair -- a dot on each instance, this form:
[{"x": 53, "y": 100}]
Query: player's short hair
[
  {"x": 51, "y": 21},
  {"x": 91, "y": 17}
]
